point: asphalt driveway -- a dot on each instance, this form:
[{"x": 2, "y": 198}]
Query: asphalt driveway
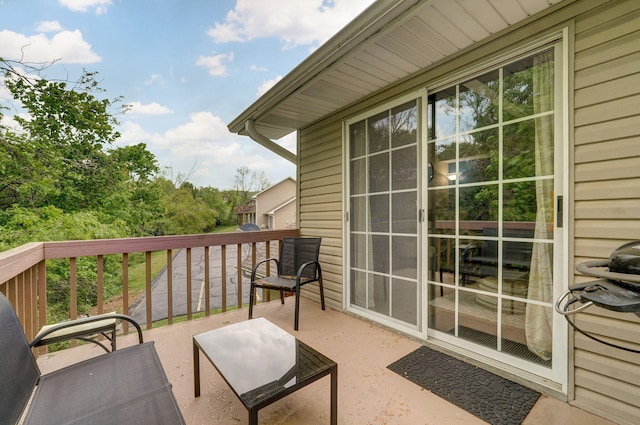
[{"x": 179, "y": 280}]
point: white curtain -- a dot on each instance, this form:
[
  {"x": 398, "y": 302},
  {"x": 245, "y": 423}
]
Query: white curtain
[{"x": 538, "y": 322}]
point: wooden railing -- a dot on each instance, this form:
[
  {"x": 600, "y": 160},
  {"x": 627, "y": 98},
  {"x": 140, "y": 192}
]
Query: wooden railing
[{"x": 23, "y": 270}]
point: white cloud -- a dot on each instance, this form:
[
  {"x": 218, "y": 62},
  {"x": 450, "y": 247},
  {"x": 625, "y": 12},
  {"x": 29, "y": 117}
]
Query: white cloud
[
  {"x": 153, "y": 108},
  {"x": 5, "y": 94},
  {"x": 295, "y": 22},
  {"x": 155, "y": 79},
  {"x": 265, "y": 86},
  {"x": 10, "y": 123},
  {"x": 216, "y": 64},
  {"x": 204, "y": 148},
  {"x": 289, "y": 141},
  {"x": 68, "y": 46},
  {"x": 98, "y": 6},
  {"x": 132, "y": 133},
  {"x": 202, "y": 129},
  {"x": 204, "y": 134},
  {"x": 48, "y": 26}
]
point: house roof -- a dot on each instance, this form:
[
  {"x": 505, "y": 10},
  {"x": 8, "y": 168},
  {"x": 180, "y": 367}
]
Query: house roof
[
  {"x": 270, "y": 188},
  {"x": 389, "y": 42},
  {"x": 279, "y": 207}
]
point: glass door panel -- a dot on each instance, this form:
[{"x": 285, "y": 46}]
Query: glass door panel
[
  {"x": 490, "y": 185},
  {"x": 383, "y": 202}
]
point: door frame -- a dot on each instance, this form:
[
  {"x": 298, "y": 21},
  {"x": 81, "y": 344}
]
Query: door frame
[{"x": 557, "y": 377}]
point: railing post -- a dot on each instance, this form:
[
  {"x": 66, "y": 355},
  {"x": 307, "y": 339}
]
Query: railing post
[
  {"x": 268, "y": 269},
  {"x": 169, "y": 286},
  {"x": 189, "y": 294},
  {"x": 73, "y": 292},
  {"x": 148, "y": 290},
  {"x": 31, "y": 277},
  {"x": 100, "y": 276},
  {"x": 125, "y": 290},
  {"x": 73, "y": 288},
  {"x": 20, "y": 300},
  {"x": 207, "y": 291},
  {"x": 41, "y": 300},
  {"x": 223, "y": 272},
  {"x": 239, "y": 266}
]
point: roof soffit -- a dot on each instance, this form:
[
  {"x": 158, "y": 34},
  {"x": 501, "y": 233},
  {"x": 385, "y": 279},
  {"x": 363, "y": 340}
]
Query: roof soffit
[{"x": 389, "y": 42}]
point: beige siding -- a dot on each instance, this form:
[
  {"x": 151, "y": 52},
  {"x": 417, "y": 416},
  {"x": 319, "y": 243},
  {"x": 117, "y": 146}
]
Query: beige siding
[
  {"x": 272, "y": 201},
  {"x": 321, "y": 202},
  {"x": 607, "y": 195}
]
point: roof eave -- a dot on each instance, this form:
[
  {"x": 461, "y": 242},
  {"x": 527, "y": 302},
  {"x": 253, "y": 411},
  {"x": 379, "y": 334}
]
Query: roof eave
[{"x": 365, "y": 25}]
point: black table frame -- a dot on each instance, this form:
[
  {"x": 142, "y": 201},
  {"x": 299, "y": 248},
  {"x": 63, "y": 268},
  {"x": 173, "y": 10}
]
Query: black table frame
[{"x": 329, "y": 369}]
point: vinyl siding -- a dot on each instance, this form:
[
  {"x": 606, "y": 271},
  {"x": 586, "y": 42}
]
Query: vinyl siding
[
  {"x": 320, "y": 177},
  {"x": 607, "y": 196}
]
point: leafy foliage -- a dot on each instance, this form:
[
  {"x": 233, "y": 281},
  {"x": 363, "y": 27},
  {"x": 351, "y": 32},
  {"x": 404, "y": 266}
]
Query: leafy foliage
[{"x": 61, "y": 179}]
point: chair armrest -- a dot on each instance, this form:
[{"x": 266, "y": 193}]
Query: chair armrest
[
  {"x": 84, "y": 321},
  {"x": 466, "y": 251},
  {"x": 304, "y": 266},
  {"x": 259, "y": 263}
]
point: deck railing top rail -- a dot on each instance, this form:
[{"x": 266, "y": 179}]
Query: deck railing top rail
[
  {"x": 66, "y": 249},
  {"x": 23, "y": 269}
]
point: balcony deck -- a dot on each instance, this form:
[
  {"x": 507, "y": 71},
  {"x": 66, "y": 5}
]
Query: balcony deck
[{"x": 368, "y": 393}]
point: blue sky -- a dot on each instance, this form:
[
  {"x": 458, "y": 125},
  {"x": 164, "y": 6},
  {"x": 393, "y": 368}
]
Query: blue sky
[{"x": 186, "y": 67}]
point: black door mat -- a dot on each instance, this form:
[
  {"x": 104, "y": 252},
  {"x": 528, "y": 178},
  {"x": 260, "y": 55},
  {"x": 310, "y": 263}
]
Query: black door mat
[
  {"x": 479, "y": 392},
  {"x": 508, "y": 346}
]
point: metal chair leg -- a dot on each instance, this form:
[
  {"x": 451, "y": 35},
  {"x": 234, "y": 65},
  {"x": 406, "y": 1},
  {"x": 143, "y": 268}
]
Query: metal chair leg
[
  {"x": 252, "y": 292},
  {"x": 321, "y": 292},
  {"x": 113, "y": 339},
  {"x": 297, "y": 316}
]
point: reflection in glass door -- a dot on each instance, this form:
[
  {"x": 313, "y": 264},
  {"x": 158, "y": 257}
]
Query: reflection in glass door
[
  {"x": 490, "y": 209},
  {"x": 383, "y": 229}
]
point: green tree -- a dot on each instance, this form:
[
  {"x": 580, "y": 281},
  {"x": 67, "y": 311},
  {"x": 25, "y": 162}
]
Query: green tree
[
  {"x": 134, "y": 197},
  {"x": 188, "y": 214},
  {"x": 183, "y": 211},
  {"x": 247, "y": 183},
  {"x": 24, "y": 178},
  {"x": 22, "y": 225},
  {"x": 215, "y": 200},
  {"x": 63, "y": 140}
]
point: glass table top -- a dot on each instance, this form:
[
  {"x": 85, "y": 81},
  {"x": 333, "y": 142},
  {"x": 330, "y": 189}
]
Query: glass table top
[{"x": 259, "y": 360}]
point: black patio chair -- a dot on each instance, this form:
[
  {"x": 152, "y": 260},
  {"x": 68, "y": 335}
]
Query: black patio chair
[
  {"x": 128, "y": 386},
  {"x": 297, "y": 265}
]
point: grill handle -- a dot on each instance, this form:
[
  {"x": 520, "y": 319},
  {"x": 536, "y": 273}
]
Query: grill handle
[{"x": 589, "y": 269}]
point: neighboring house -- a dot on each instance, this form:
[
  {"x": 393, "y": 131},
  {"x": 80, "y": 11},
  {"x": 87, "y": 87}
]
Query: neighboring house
[
  {"x": 275, "y": 207},
  {"x": 246, "y": 213},
  {"x": 507, "y": 131}
]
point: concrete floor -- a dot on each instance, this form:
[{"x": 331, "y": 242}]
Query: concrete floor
[{"x": 368, "y": 393}]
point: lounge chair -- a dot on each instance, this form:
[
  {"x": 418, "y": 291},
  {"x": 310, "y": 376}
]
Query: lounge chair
[{"x": 127, "y": 386}]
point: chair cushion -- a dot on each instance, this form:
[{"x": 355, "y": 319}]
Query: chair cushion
[
  {"x": 280, "y": 282},
  {"x": 77, "y": 330},
  {"x": 125, "y": 386}
]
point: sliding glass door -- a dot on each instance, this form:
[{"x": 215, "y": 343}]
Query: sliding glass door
[{"x": 452, "y": 229}]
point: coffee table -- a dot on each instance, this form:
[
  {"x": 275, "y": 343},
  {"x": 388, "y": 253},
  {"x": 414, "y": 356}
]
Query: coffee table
[{"x": 262, "y": 363}]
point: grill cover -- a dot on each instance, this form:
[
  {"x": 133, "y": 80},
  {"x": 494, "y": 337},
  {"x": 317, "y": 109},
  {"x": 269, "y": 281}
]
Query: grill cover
[{"x": 626, "y": 259}]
